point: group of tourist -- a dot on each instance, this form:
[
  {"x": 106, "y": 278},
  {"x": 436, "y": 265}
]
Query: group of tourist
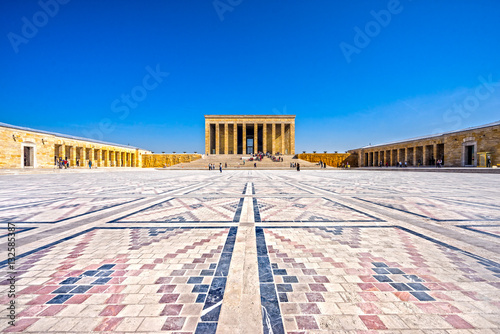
[
  {"x": 322, "y": 164},
  {"x": 64, "y": 163},
  {"x": 212, "y": 167}
]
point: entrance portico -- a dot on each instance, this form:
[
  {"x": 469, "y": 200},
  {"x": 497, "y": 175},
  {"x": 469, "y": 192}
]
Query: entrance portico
[{"x": 248, "y": 134}]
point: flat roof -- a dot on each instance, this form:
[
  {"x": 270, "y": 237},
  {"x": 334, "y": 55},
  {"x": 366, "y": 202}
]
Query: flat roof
[
  {"x": 249, "y": 116},
  {"x": 21, "y": 128},
  {"x": 434, "y": 136}
]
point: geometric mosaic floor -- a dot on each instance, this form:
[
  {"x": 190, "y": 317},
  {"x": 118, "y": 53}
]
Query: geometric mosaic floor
[{"x": 321, "y": 251}]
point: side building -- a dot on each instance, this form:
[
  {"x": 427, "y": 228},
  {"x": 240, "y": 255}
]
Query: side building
[
  {"x": 471, "y": 147},
  {"x": 22, "y": 147}
]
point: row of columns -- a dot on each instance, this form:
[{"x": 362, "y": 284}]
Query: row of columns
[
  {"x": 425, "y": 155},
  {"x": 99, "y": 157},
  {"x": 285, "y": 144}
]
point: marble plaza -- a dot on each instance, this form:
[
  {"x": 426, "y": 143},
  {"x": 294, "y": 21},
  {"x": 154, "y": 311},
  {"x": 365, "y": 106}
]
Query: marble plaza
[{"x": 252, "y": 251}]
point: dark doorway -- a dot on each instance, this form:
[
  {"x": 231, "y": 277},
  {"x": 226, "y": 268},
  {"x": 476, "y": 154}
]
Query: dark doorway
[
  {"x": 469, "y": 158},
  {"x": 28, "y": 157}
]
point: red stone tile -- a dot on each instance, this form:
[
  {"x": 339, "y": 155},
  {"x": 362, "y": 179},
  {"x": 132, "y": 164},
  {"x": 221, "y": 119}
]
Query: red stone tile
[
  {"x": 119, "y": 273},
  {"x": 42, "y": 299},
  {"x": 173, "y": 324},
  {"x": 52, "y": 310},
  {"x": 117, "y": 280},
  {"x": 46, "y": 289},
  {"x": 314, "y": 297},
  {"x": 321, "y": 279},
  {"x": 111, "y": 310},
  {"x": 457, "y": 322},
  {"x": 116, "y": 288},
  {"x": 430, "y": 308},
  {"x": 309, "y": 272},
  {"x": 368, "y": 279},
  {"x": 369, "y": 308},
  {"x": 30, "y": 289},
  {"x": 368, "y": 296},
  {"x": 372, "y": 322},
  {"x": 115, "y": 299},
  {"x": 309, "y": 308},
  {"x": 317, "y": 287},
  {"x": 403, "y": 295},
  {"x": 441, "y": 295},
  {"x": 21, "y": 325},
  {"x": 367, "y": 287},
  {"x": 306, "y": 322},
  {"x": 77, "y": 299},
  {"x": 166, "y": 288},
  {"x": 172, "y": 309},
  {"x": 108, "y": 324},
  {"x": 163, "y": 280},
  {"x": 148, "y": 266},
  {"x": 169, "y": 298},
  {"x": 447, "y": 307},
  {"x": 31, "y": 311},
  {"x": 98, "y": 289}
]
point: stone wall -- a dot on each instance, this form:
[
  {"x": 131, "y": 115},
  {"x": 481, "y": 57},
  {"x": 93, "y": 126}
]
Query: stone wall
[
  {"x": 45, "y": 147},
  {"x": 449, "y": 147},
  {"x": 167, "y": 160},
  {"x": 331, "y": 159}
]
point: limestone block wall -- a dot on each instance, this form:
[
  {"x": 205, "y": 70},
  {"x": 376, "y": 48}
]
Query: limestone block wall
[
  {"x": 331, "y": 159},
  {"x": 450, "y": 147},
  {"x": 162, "y": 160},
  {"x": 46, "y": 147}
]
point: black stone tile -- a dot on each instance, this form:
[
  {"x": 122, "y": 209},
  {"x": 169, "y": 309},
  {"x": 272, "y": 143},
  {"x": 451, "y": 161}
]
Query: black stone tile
[
  {"x": 279, "y": 272},
  {"x": 64, "y": 289},
  {"x": 381, "y": 271},
  {"x": 395, "y": 271},
  {"x": 379, "y": 264},
  {"x": 290, "y": 279},
  {"x": 382, "y": 278},
  {"x": 283, "y": 297},
  {"x": 284, "y": 287},
  {"x": 422, "y": 296},
  {"x": 59, "y": 299},
  {"x": 206, "y": 328},
  {"x": 414, "y": 278},
  {"x": 400, "y": 286}
]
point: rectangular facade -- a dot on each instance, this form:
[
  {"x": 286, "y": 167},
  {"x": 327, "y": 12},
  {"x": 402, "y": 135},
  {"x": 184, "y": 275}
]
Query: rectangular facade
[
  {"x": 28, "y": 148},
  {"x": 473, "y": 147},
  {"x": 249, "y": 134}
]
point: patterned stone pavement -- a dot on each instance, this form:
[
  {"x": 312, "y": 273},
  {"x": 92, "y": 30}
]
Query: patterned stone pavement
[{"x": 321, "y": 251}]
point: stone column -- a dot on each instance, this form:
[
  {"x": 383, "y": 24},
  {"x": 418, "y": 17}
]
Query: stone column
[
  {"x": 83, "y": 156},
  {"x": 118, "y": 159},
  {"x": 434, "y": 153},
  {"x": 292, "y": 138},
  {"x": 217, "y": 136},
  {"x": 244, "y": 138},
  {"x": 282, "y": 138},
  {"x": 72, "y": 156},
  {"x": 99, "y": 157},
  {"x": 62, "y": 151},
  {"x": 208, "y": 139},
  {"x": 112, "y": 158},
  {"x": 235, "y": 138},
  {"x": 273, "y": 138},
  {"x": 226, "y": 138},
  {"x": 264, "y": 138},
  {"x": 255, "y": 138}
]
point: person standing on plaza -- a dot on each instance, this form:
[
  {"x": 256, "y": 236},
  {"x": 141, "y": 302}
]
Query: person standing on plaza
[
  {"x": 90, "y": 164},
  {"x": 298, "y": 167},
  {"x": 220, "y": 167}
]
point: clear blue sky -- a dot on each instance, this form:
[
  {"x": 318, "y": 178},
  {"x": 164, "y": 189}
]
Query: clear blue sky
[{"x": 420, "y": 69}]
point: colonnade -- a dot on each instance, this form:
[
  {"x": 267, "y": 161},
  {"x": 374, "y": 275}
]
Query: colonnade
[
  {"x": 100, "y": 157},
  {"x": 418, "y": 155},
  {"x": 236, "y": 137}
]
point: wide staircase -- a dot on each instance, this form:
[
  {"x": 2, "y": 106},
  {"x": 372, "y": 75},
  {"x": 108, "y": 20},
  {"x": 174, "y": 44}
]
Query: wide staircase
[{"x": 236, "y": 162}]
